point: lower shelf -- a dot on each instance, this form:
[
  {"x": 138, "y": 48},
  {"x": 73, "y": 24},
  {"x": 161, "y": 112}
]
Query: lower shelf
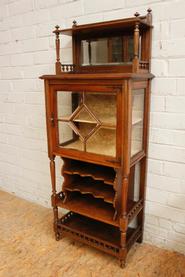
[
  {"x": 97, "y": 234},
  {"x": 88, "y": 206}
]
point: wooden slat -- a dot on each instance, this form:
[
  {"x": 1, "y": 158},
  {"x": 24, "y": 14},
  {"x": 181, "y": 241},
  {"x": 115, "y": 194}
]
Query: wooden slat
[
  {"x": 96, "y": 172},
  {"x": 95, "y": 188}
]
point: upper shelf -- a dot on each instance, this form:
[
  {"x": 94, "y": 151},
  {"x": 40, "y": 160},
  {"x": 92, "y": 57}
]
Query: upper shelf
[{"x": 104, "y": 27}]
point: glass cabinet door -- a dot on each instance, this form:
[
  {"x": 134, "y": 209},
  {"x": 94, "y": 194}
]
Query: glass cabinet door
[
  {"x": 87, "y": 122},
  {"x": 138, "y": 96}
]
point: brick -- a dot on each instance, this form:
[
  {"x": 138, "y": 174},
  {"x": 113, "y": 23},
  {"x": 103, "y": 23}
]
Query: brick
[
  {"x": 34, "y": 98},
  {"x": 176, "y": 67},
  {"x": 156, "y": 195},
  {"x": 23, "y": 33},
  {"x": 32, "y": 45},
  {"x": 167, "y": 153},
  {"x": 4, "y": 61},
  {"x": 5, "y": 37},
  {"x": 155, "y": 166},
  {"x": 159, "y": 67},
  {"x": 156, "y": 230},
  {"x": 36, "y": 71},
  {"x": 180, "y": 86},
  {"x": 20, "y": 7},
  {"x": 174, "y": 169},
  {"x": 168, "y": 120},
  {"x": 176, "y": 28},
  {"x": 96, "y": 6},
  {"x": 157, "y": 103},
  {"x": 151, "y": 220},
  {"x": 85, "y": 19},
  {"x": 14, "y": 21},
  {"x": 11, "y": 73},
  {"x": 23, "y": 85},
  {"x": 164, "y": 86},
  {"x": 5, "y": 86},
  {"x": 44, "y": 57},
  {"x": 134, "y": 3},
  {"x": 46, "y": 4},
  {"x": 177, "y": 201},
  {"x": 175, "y": 104},
  {"x": 177, "y": 6},
  {"x": 22, "y": 59},
  {"x": 166, "y": 212},
  {"x": 169, "y": 137},
  {"x": 164, "y": 183},
  {"x": 179, "y": 228},
  {"x": 36, "y": 17},
  {"x": 166, "y": 223},
  {"x": 67, "y": 10},
  {"x": 35, "y": 133}
]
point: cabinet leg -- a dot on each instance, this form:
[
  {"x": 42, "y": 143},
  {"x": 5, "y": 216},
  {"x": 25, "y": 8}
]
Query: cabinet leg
[
  {"x": 123, "y": 251},
  {"x": 55, "y": 208},
  {"x": 140, "y": 239},
  {"x": 122, "y": 263},
  {"x": 55, "y": 223}
]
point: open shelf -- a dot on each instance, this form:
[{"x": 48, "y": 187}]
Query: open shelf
[
  {"x": 106, "y": 122},
  {"x": 97, "y": 188},
  {"x": 136, "y": 120},
  {"x": 100, "y": 173},
  {"x": 96, "y": 148},
  {"x": 89, "y": 206},
  {"x": 95, "y": 229},
  {"x": 95, "y": 233}
]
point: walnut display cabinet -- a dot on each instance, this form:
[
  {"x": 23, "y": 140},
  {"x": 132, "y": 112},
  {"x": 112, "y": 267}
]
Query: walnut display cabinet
[{"x": 97, "y": 114}]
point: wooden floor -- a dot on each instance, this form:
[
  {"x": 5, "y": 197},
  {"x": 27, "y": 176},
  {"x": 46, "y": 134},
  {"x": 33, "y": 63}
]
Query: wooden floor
[{"x": 28, "y": 249}]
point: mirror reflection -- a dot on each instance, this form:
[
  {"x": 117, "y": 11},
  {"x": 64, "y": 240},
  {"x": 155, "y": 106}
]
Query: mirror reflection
[{"x": 103, "y": 51}]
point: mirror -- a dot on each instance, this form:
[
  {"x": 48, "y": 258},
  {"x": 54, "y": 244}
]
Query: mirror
[{"x": 103, "y": 51}]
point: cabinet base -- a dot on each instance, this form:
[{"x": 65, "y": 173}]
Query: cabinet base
[{"x": 100, "y": 235}]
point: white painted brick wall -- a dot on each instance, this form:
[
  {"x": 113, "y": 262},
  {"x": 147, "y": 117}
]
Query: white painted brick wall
[{"x": 27, "y": 51}]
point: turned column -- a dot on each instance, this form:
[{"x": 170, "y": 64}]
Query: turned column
[
  {"x": 136, "y": 45},
  {"x": 53, "y": 197},
  {"x": 57, "y": 45}
]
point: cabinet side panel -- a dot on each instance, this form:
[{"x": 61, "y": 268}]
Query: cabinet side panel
[{"x": 48, "y": 106}]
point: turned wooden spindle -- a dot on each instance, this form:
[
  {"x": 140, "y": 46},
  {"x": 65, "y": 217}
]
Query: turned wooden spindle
[
  {"x": 54, "y": 195},
  {"x": 149, "y": 16},
  {"x": 57, "y": 43},
  {"x": 136, "y": 44},
  {"x": 74, "y": 23}
]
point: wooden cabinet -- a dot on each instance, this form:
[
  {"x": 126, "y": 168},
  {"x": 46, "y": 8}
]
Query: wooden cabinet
[{"x": 97, "y": 114}]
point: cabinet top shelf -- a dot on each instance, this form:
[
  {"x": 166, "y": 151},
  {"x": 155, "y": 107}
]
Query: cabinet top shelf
[
  {"x": 98, "y": 76},
  {"x": 120, "y": 24}
]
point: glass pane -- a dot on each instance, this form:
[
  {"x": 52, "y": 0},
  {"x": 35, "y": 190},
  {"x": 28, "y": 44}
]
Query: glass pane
[
  {"x": 117, "y": 49},
  {"x": 87, "y": 121},
  {"x": 103, "y": 51},
  {"x": 95, "y": 52},
  {"x": 103, "y": 106},
  {"x": 103, "y": 142},
  {"x": 130, "y": 48},
  {"x": 68, "y": 138},
  {"x": 67, "y": 102},
  {"x": 137, "y": 120}
]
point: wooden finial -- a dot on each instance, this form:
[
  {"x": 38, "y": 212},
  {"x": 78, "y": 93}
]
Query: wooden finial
[
  {"x": 149, "y": 10},
  {"x": 74, "y": 23},
  {"x": 149, "y": 16},
  {"x": 57, "y": 27},
  {"x": 137, "y": 14}
]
